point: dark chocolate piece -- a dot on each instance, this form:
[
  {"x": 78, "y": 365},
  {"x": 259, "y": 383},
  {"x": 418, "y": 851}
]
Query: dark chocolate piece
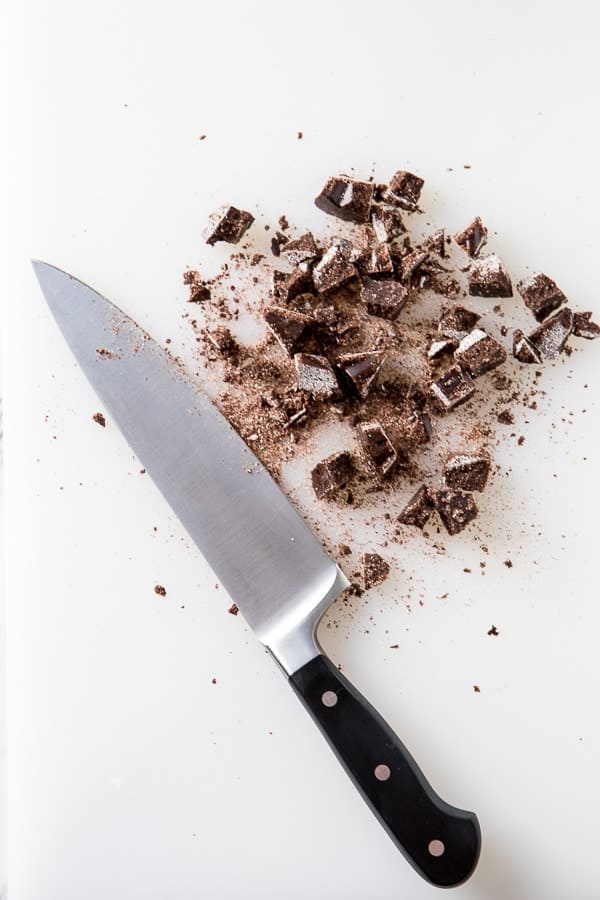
[
  {"x": 387, "y": 222},
  {"x": 334, "y": 269},
  {"x": 377, "y": 446},
  {"x": 331, "y": 474},
  {"x": 383, "y": 298},
  {"x": 315, "y": 375},
  {"x": 410, "y": 264},
  {"x": 199, "y": 293},
  {"x": 377, "y": 260},
  {"x": 453, "y": 388},
  {"x": 160, "y": 590},
  {"x": 456, "y": 322},
  {"x": 277, "y": 242},
  {"x": 288, "y": 326},
  {"x": 361, "y": 369},
  {"x": 551, "y": 337},
  {"x": 479, "y": 353},
  {"x": 541, "y": 295},
  {"x": 436, "y": 243},
  {"x": 441, "y": 348},
  {"x": 454, "y": 508},
  {"x": 418, "y": 509},
  {"x": 524, "y": 350},
  {"x": 227, "y": 223},
  {"x": 404, "y": 190},
  {"x": 289, "y": 285},
  {"x": 473, "y": 237},
  {"x": 374, "y": 569},
  {"x": 583, "y": 326},
  {"x": 413, "y": 425},
  {"x": 489, "y": 278},
  {"x": 506, "y": 417},
  {"x": 467, "y": 471},
  {"x": 301, "y": 250},
  {"x": 99, "y": 418},
  {"x": 346, "y": 198}
]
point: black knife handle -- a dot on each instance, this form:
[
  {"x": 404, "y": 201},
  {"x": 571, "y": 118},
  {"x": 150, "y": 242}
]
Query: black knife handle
[{"x": 439, "y": 840}]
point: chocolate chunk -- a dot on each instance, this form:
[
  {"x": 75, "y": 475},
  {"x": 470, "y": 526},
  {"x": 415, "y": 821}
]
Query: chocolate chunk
[
  {"x": 383, "y": 298},
  {"x": 227, "y": 224},
  {"x": 440, "y": 348},
  {"x": 456, "y": 322},
  {"x": 359, "y": 370},
  {"x": 467, "y": 471},
  {"x": 454, "y": 508},
  {"x": 453, "y": 388},
  {"x": 488, "y": 278},
  {"x": 377, "y": 446},
  {"x": 374, "y": 569},
  {"x": 583, "y": 326},
  {"x": 99, "y": 418},
  {"x": 473, "y": 237},
  {"x": 160, "y": 590},
  {"x": 315, "y": 376},
  {"x": 277, "y": 242},
  {"x": 387, "y": 223},
  {"x": 436, "y": 243},
  {"x": 404, "y": 190},
  {"x": 551, "y": 337},
  {"x": 523, "y": 349},
  {"x": 377, "y": 260},
  {"x": 506, "y": 417},
  {"x": 289, "y": 285},
  {"x": 288, "y": 326},
  {"x": 418, "y": 509},
  {"x": 410, "y": 264},
  {"x": 199, "y": 293},
  {"x": 333, "y": 270},
  {"x": 541, "y": 295},
  {"x": 301, "y": 250},
  {"x": 479, "y": 353},
  {"x": 233, "y": 609},
  {"x": 346, "y": 198},
  {"x": 413, "y": 425},
  {"x": 331, "y": 474}
]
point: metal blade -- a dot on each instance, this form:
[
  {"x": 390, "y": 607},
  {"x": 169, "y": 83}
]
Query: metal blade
[{"x": 266, "y": 557}]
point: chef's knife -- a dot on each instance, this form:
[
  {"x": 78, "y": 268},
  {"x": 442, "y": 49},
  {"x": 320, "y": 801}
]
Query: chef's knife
[{"x": 266, "y": 557}]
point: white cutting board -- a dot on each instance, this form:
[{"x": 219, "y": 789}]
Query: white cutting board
[{"x": 132, "y": 775}]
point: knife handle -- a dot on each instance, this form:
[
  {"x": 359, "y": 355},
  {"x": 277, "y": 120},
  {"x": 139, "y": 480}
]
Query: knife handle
[{"x": 439, "y": 840}]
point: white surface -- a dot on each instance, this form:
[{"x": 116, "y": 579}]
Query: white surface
[{"x": 131, "y": 774}]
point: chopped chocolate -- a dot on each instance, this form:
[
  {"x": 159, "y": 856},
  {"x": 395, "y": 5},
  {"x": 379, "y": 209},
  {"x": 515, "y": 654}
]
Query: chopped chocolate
[
  {"x": 374, "y": 569},
  {"x": 541, "y": 295},
  {"x": 228, "y": 224},
  {"x": 160, "y": 590},
  {"x": 283, "y": 223},
  {"x": 99, "y": 418},
  {"x": 333, "y": 270},
  {"x": 301, "y": 249},
  {"x": 288, "y": 326},
  {"x": 453, "y": 388},
  {"x": 344, "y": 550},
  {"x": 192, "y": 276},
  {"x": 377, "y": 260},
  {"x": 233, "y": 609},
  {"x": 479, "y": 353},
  {"x": 489, "y": 278},
  {"x": 199, "y": 293},
  {"x": 383, "y": 298},
  {"x": 289, "y": 285},
  {"x": 331, "y": 474},
  {"x": 583, "y": 326},
  {"x": 524, "y": 350},
  {"x": 493, "y": 631},
  {"x": 315, "y": 376},
  {"x": 418, "y": 509},
  {"x": 456, "y": 322},
  {"x": 277, "y": 241},
  {"x": 404, "y": 190},
  {"x": 411, "y": 263},
  {"x": 359, "y": 370},
  {"x": 506, "y": 417},
  {"x": 551, "y": 337},
  {"x": 377, "y": 446},
  {"x": 436, "y": 243},
  {"x": 455, "y": 508},
  {"x": 387, "y": 222},
  {"x": 467, "y": 471},
  {"x": 346, "y": 198},
  {"x": 441, "y": 348},
  {"x": 473, "y": 237}
]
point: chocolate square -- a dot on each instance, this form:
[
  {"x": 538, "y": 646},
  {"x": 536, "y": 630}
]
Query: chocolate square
[
  {"x": 479, "y": 353},
  {"x": 334, "y": 269},
  {"x": 359, "y": 370},
  {"x": 331, "y": 474},
  {"x": 383, "y": 298},
  {"x": 404, "y": 190},
  {"x": 227, "y": 224},
  {"x": 346, "y": 198},
  {"x": 453, "y": 388},
  {"x": 541, "y": 295},
  {"x": 551, "y": 337},
  {"x": 467, "y": 471},
  {"x": 377, "y": 446},
  {"x": 315, "y": 375},
  {"x": 454, "y": 508},
  {"x": 489, "y": 278},
  {"x": 473, "y": 237},
  {"x": 418, "y": 510}
]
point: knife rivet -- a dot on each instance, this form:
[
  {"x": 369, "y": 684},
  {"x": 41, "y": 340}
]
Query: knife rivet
[
  {"x": 382, "y": 772},
  {"x": 436, "y": 848},
  {"x": 329, "y": 698}
]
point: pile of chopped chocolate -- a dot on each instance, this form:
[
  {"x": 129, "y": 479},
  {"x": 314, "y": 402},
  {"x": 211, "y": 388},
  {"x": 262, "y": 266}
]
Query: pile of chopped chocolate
[{"x": 367, "y": 329}]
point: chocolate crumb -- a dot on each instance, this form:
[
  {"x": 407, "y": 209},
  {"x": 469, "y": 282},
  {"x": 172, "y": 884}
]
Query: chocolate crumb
[
  {"x": 344, "y": 550},
  {"x": 508, "y": 563},
  {"x": 506, "y": 417},
  {"x": 299, "y": 135},
  {"x": 374, "y": 569},
  {"x": 99, "y": 418},
  {"x": 160, "y": 590},
  {"x": 476, "y": 688},
  {"x": 521, "y": 440},
  {"x": 233, "y": 609},
  {"x": 551, "y": 337},
  {"x": 277, "y": 241}
]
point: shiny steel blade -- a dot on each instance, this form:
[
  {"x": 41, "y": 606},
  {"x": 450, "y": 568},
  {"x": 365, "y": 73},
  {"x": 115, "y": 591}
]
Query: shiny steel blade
[{"x": 266, "y": 557}]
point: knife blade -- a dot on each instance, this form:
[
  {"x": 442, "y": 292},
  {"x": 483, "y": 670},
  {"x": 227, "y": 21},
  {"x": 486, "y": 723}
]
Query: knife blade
[{"x": 266, "y": 557}]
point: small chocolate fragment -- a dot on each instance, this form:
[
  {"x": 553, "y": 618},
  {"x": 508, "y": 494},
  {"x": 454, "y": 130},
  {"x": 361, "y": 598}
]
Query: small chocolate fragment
[
  {"x": 228, "y": 224},
  {"x": 383, "y": 298},
  {"x": 333, "y": 270},
  {"x": 489, "y": 278},
  {"x": 377, "y": 446},
  {"x": 301, "y": 250},
  {"x": 192, "y": 276},
  {"x": 473, "y": 237},
  {"x": 436, "y": 243},
  {"x": 288, "y": 326},
  {"x": 289, "y": 285},
  {"x": 541, "y": 295},
  {"x": 410, "y": 264},
  {"x": 277, "y": 242},
  {"x": 479, "y": 353},
  {"x": 160, "y": 590},
  {"x": 440, "y": 348},
  {"x": 199, "y": 293},
  {"x": 551, "y": 337},
  {"x": 467, "y": 471},
  {"x": 233, "y": 609},
  {"x": 331, "y": 474},
  {"x": 456, "y": 322},
  {"x": 506, "y": 417},
  {"x": 453, "y": 388},
  {"x": 413, "y": 426},
  {"x": 346, "y": 198},
  {"x": 404, "y": 190},
  {"x": 583, "y": 326},
  {"x": 523, "y": 349},
  {"x": 374, "y": 569},
  {"x": 387, "y": 223},
  {"x": 315, "y": 375},
  {"x": 99, "y": 419},
  {"x": 454, "y": 508},
  {"x": 418, "y": 509},
  {"x": 377, "y": 260},
  {"x": 361, "y": 369}
]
